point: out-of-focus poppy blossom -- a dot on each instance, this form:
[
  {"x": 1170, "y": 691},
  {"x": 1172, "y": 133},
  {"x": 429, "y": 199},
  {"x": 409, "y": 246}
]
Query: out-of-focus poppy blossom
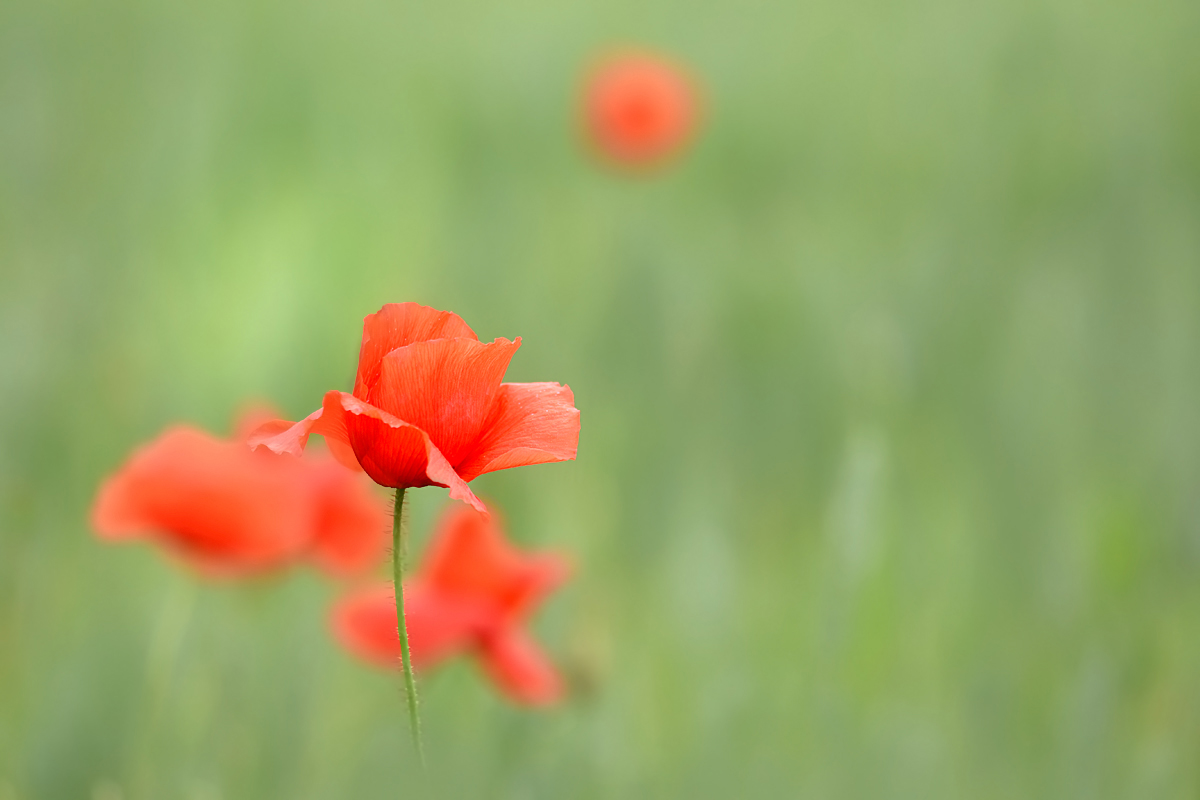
[
  {"x": 639, "y": 108},
  {"x": 473, "y": 594},
  {"x": 228, "y": 510},
  {"x": 429, "y": 408}
]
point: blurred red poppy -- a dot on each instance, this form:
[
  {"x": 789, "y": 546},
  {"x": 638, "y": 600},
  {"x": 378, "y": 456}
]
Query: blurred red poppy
[
  {"x": 227, "y": 510},
  {"x": 429, "y": 407},
  {"x": 639, "y": 108},
  {"x": 472, "y": 595}
]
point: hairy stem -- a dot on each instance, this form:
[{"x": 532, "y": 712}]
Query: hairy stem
[{"x": 399, "y": 542}]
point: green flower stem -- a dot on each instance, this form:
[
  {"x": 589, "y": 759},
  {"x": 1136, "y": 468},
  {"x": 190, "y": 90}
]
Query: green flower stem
[{"x": 399, "y": 541}]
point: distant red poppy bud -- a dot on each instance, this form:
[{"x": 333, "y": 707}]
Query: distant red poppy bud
[
  {"x": 227, "y": 510},
  {"x": 429, "y": 408},
  {"x": 639, "y": 108},
  {"x": 473, "y": 594}
]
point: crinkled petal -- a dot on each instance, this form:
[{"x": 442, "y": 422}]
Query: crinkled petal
[
  {"x": 445, "y": 387},
  {"x": 519, "y": 667},
  {"x": 397, "y": 325},
  {"x": 439, "y": 626},
  {"x": 393, "y": 452},
  {"x": 530, "y": 423},
  {"x": 280, "y": 436},
  {"x": 253, "y": 416}
]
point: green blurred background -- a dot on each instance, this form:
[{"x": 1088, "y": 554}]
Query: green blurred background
[{"x": 888, "y": 479}]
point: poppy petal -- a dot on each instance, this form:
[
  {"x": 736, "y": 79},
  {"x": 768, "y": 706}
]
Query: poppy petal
[
  {"x": 397, "y": 325},
  {"x": 531, "y": 423},
  {"x": 541, "y": 575},
  {"x": 395, "y": 453},
  {"x": 221, "y": 507},
  {"x": 445, "y": 387},
  {"x": 640, "y": 108},
  {"x": 518, "y": 666},
  {"x": 116, "y": 514},
  {"x": 255, "y": 416},
  {"x": 350, "y": 521},
  {"x": 390, "y": 450},
  {"x": 438, "y": 626},
  {"x": 280, "y": 436},
  {"x": 469, "y": 557}
]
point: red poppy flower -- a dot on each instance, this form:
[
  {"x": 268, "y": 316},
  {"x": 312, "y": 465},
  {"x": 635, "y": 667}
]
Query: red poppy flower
[
  {"x": 429, "y": 408},
  {"x": 472, "y": 595},
  {"x": 639, "y": 108},
  {"x": 227, "y": 510}
]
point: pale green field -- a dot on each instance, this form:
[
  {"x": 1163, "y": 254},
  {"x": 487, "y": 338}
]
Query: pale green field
[{"x": 889, "y": 479}]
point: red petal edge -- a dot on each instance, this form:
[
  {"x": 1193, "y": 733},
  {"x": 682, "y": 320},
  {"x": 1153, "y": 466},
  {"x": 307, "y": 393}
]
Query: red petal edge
[
  {"x": 399, "y": 324},
  {"x": 331, "y": 421},
  {"x": 530, "y": 423},
  {"x": 521, "y": 669}
]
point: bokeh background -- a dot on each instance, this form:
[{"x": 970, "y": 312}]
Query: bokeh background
[{"x": 888, "y": 480}]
